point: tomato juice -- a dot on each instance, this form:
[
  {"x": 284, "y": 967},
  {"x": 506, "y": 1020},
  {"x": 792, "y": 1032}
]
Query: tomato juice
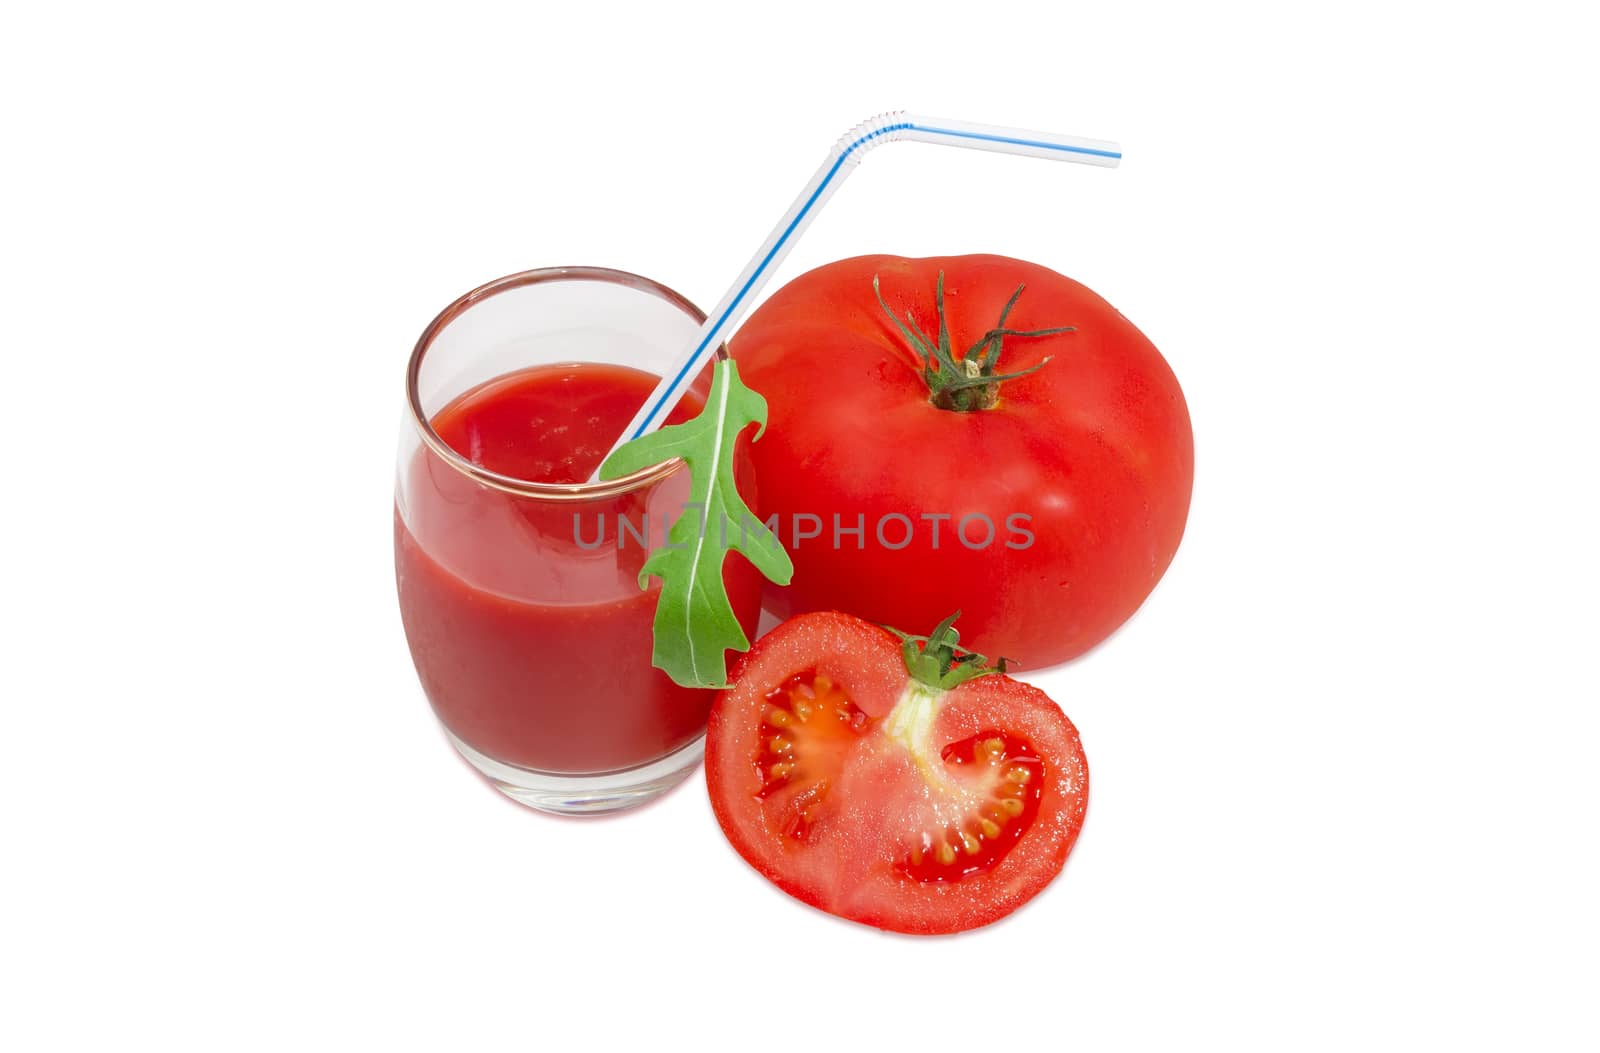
[{"x": 529, "y": 630}]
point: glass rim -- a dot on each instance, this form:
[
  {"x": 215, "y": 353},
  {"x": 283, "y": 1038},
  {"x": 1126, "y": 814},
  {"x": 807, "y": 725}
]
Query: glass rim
[{"x": 511, "y": 484}]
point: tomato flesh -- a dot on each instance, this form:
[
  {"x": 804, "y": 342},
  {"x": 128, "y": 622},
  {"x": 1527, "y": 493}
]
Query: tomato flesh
[{"x": 885, "y": 801}]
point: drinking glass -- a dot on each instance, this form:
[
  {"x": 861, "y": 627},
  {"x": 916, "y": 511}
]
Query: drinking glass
[{"x": 533, "y": 641}]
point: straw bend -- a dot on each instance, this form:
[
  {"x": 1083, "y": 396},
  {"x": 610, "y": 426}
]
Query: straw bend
[
  {"x": 899, "y": 125},
  {"x": 845, "y": 156}
]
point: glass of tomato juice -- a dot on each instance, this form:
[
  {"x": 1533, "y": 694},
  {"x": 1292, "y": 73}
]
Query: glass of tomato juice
[{"x": 518, "y": 579}]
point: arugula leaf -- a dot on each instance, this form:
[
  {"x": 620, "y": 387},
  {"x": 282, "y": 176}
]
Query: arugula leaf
[{"x": 695, "y": 624}]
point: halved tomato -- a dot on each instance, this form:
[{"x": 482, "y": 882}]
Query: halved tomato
[{"x": 898, "y": 782}]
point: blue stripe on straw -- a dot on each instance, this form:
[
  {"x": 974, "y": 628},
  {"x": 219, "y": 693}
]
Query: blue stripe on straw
[
  {"x": 766, "y": 260},
  {"x": 1090, "y": 151}
]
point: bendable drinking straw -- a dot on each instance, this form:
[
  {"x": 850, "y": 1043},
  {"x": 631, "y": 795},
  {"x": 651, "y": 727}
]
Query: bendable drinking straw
[{"x": 846, "y": 154}]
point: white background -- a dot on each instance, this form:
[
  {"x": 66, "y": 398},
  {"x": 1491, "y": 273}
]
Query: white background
[{"x": 1344, "y": 779}]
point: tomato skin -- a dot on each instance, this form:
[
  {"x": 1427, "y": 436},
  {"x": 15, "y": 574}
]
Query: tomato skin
[
  {"x": 1095, "y": 449},
  {"x": 850, "y": 871}
]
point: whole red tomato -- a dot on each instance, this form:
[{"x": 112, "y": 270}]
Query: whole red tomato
[{"x": 970, "y": 432}]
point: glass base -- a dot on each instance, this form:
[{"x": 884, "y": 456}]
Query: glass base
[{"x": 595, "y": 794}]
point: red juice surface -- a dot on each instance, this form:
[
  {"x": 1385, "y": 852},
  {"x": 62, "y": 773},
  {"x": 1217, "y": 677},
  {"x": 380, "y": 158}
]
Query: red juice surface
[{"x": 529, "y": 631}]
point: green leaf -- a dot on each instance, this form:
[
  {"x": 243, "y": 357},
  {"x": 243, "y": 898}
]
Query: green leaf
[{"x": 695, "y": 625}]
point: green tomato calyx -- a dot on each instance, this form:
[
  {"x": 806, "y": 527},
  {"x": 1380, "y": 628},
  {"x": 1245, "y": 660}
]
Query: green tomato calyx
[
  {"x": 936, "y": 661},
  {"x": 970, "y": 382}
]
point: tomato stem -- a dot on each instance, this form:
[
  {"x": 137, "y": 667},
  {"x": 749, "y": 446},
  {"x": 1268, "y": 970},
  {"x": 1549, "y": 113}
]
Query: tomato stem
[
  {"x": 935, "y": 659},
  {"x": 970, "y": 382}
]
